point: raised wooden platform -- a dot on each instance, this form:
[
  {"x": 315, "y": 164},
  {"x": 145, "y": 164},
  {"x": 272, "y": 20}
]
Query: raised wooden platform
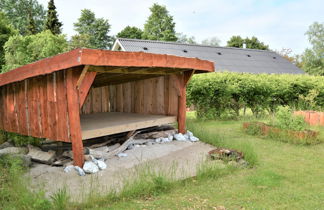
[{"x": 102, "y": 124}]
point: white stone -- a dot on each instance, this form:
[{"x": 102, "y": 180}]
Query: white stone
[
  {"x": 179, "y": 137},
  {"x": 68, "y": 169},
  {"x": 163, "y": 140},
  {"x": 193, "y": 138},
  {"x": 122, "y": 155},
  {"x": 170, "y": 137},
  {"x": 79, "y": 170},
  {"x": 90, "y": 167},
  {"x": 101, "y": 165},
  {"x": 189, "y": 133}
]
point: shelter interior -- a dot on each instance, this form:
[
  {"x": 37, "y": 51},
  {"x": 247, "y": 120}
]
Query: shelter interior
[{"x": 129, "y": 98}]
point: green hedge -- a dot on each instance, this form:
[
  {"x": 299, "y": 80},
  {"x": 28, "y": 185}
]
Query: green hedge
[{"x": 217, "y": 95}]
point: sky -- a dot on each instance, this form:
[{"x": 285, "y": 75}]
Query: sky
[{"x": 277, "y": 23}]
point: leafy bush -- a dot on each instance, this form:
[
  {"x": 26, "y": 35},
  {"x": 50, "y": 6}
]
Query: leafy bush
[
  {"x": 285, "y": 119},
  {"x": 14, "y": 192},
  {"x": 21, "y": 50},
  {"x": 217, "y": 94},
  {"x": 19, "y": 140}
]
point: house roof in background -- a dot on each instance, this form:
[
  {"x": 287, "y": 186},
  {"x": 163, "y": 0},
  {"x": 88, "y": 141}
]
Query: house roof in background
[{"x": 225, "y": 58}]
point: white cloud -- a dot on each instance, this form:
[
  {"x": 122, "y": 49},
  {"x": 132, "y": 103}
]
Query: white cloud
[{"x": 279, "y": 23}]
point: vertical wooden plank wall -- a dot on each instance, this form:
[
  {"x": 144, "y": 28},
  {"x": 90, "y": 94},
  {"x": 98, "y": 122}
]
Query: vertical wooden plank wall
[
  {"x": 150, "y": 96},
  {"x": 36, "y": 107}
]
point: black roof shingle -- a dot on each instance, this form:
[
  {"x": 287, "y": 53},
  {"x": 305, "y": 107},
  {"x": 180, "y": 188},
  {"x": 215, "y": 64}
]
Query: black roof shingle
[{"x": 225, "y": 58}]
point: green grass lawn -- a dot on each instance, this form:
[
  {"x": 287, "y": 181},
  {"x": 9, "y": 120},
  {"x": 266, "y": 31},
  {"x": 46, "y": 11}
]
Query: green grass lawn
[
  {"x": 286, "y": 176},
  {"x": 281, "y": 176}
]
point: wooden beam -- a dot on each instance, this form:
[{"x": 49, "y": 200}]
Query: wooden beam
[
  {"x": 86, "y": 79},
  {"x": 74, "y": 119},
  {"x": 130, "y": 70},
  {"x": 182, "y": 104},
  {"x": 188, "y": 75},
  {"x": 83, "y": 73},
  {"x": 121, "y": 79}
]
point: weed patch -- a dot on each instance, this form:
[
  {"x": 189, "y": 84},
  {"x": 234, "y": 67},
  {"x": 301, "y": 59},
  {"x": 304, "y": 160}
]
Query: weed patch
[{"x": 14, "y": 192}]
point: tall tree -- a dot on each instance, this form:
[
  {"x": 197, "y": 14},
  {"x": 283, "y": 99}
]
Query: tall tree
[
  {"x": 6, "y": 30},
  {"x": 130, "y": 32},
  {"x": 183, "y": 38},
  {"x": 159, "y": 25},
  {"x": 212, "y": 41},
  {"x": 96, "y": 29},
  {"x": 31, "y": 24},
  {"x": 21, "y": 50},
  {"x": 251, "y": 43},
  {"x": 17, "y": 12},
  {"x": 52, "y": 22},
  {"x": 313, "y": 58},
  {"x": 235, "y": 41}
]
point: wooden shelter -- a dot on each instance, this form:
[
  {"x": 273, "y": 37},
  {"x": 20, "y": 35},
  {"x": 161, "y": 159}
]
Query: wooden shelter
[{"x": 85, "y": 93}]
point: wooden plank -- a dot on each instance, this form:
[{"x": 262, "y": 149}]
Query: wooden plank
[
  {"x": 119, "y": 98},
  {"x": 21, "y": 101},
  {"x": 85, "y": 86},
  {"x": 52, "y": 119},
  {"x": 148, "y": 95},
  {"x": 173, "y": 95},
  {"x": 8, "y": 109},
  {"x": 96, "y": 100},
  {"x": 112, "y": 97},
  {"x": 127, "y": 97},
  {"x": 139, "y": 97},
  {"x": 132, "y": 84},
  {"x": 105, "y": 99},
  {"x": 5, "y": 113},
  {"x": 44, "y": 108},
  {"x": 1, "y": 109},
  {"x": 74, "y": 119},
  {"x": 62, "y": 106},
  {"x": 32, "y": 110},
  {"x": 166, "y": 94},
  {"x": 15, "y": 104},
  {"x": 102, "y": 124},
  {"x": 38, "y": 106},
  {"x": 87, "y": 105},
  {"x": 159, "y": 96}
]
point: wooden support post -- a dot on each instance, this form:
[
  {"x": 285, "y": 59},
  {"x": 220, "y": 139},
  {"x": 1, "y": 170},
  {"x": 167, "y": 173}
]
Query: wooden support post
[
  {"x": 74, "y": 119},
  {"x": 84, "y": 83},
  {"x": 183, "y": 80}
]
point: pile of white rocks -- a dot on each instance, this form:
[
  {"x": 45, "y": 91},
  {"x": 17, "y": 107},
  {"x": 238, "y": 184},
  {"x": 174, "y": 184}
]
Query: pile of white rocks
[
  {"x": 89, "y": 167},
  {"x": 178, "y": 137}
]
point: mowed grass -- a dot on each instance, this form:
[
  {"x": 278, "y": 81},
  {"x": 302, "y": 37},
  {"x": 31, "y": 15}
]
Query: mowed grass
[
  {"x": 280, "y": 176},
  {"x": 284, "y": 176}
]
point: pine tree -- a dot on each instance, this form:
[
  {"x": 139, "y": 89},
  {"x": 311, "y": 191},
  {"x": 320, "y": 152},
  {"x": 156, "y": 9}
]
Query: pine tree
[
  {"x": 159, "y": 25},
  {"x": 31, "y": 24},
  {"x": 94, "y": 29},
  {"x": 52, "y": 22}
]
